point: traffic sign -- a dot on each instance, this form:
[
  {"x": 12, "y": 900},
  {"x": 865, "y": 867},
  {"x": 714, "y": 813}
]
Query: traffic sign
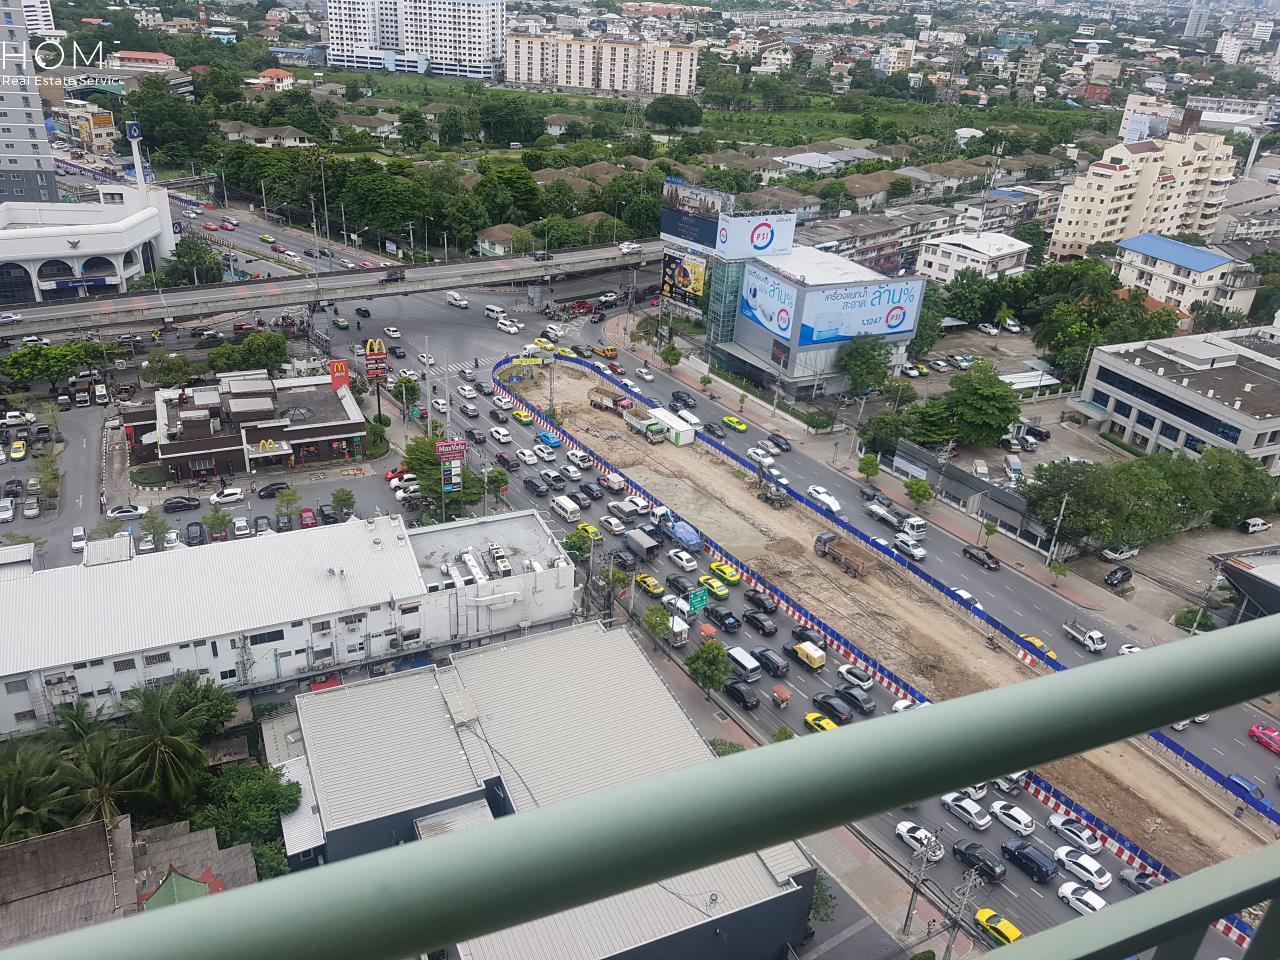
[{"x": 697, "y": 599}]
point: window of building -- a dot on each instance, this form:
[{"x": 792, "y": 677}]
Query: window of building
[
  {"x": 1100, "y": 398},
  {"x": 270, "y": 636},
  {"x": 1192, "y": 442},
  {"x": 1177, "y": 408},
  {"x": 123, "y": 665},
  {"x": 228, "y": 674},
  {"x": 15, "y": 686},
  {"x": 155, "y": 659},
  {"x": 321, "y": 626},
  {"x": 1169, "y": 431},
  {"x": 1145, "y": 420},
  {"x": 24, "y": 716},
  {"x": 1122, "y": 409}
]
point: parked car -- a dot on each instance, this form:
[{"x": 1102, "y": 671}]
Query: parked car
[
  {"x": 272, "y": 490},
  {"x": 179, "y": 504},
  {"x": 195, "y": 533},
  {"x": 227, "y": 495}
]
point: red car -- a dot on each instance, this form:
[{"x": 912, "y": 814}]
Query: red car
[
  {"x": 210, "y": 226},
  {"x": 1268, "y": 737},
  {"x": 616, "y": 368},
  {"x": 279, "y": 248},
  {"x": 307, "y": 518},
  {"x": 366, "y": 265},
  {"x": 227, "y": 226},
  {"x": 217, "y": 536},
  {"x": 394, "y": 472},
  {"x": 653, "y": 302}
]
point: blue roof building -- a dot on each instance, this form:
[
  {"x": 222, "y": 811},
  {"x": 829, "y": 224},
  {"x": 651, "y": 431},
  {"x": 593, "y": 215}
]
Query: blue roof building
[
  {"x": 1182, "y": 275},
  {"x": 1189, "y": 256}
]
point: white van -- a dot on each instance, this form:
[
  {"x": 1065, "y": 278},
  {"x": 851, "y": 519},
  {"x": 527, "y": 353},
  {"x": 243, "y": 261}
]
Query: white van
[
  {"x": 1013, "y": 467},
  {"x": 745, "y": 666},
  {"x": 690, "y": 419},
  {"x": 980, "y": 470},
  {"x": 494, "y": 312},
  {"x": 454, "y": 299},
  {"x": 100, "y": 394},
  {"x": 506, "y": 326},
  {"x": 566, "y": 509}
]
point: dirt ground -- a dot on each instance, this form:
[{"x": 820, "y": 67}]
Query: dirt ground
[{"x": 901, "y": 625}]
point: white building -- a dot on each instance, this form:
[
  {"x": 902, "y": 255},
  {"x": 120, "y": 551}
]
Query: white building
[
  {"x": 559, "y": 61},
  {"x": 993, "y": 255},
  {"x": 277, "y": 609},
  {"x": 39, "y": 17},
  {"x": 1140, "y": 110},
  {"x": 455, "y": 39},
  {"x": 1182, "y": 275},
  {"x": 1197, "y": 21},
  {"x": 1229, "y": 48},
  {"x": 1262, "y": 30}
]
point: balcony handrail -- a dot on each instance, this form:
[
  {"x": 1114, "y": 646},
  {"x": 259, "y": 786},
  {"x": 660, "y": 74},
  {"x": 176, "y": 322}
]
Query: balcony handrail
[{"x": 428, "y": 895}]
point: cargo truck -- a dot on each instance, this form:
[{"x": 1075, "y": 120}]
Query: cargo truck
[
  {"x": 610, "y": 400},
  {"x": 1091, "y": 640},
  {"x": 677, "y": 531},
  {"x": 900, "y": 520},
  {"x": 852, "y": 558},
  {"x": 644, "y": 426},
  {"x": 806, "y": 653},
  {"x": 678, "y": 431},
  {"x": 641, "y": 544}
]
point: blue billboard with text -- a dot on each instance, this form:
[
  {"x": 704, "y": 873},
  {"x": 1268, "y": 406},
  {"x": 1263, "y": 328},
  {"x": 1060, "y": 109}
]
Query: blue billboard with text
[{"x": 868, "y": 309}]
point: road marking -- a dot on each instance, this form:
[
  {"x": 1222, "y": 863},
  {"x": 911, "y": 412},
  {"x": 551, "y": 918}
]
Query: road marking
[
  {"x": 1036, "y": 607},
  {"x": 1239, "y": 741},
  {"x": 1017, "y": 613},
  {"x": 1012, "y": 892},
  {"x": 1216, "y": 750},
  {"x": 1037, "y": 893},
  {"x": 84, "y": 442}
]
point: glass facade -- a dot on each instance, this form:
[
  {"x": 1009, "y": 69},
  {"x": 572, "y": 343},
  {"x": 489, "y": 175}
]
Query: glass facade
[
  {"x": 1175, "y": 408},
  {"x": 722, "y": 298}
]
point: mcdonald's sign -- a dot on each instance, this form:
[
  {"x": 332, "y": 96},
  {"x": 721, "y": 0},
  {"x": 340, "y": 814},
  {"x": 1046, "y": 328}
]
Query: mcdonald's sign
[
  {"x": 339, "y": 374},
  {"x": 375, "y": 347},
  {"x": 266, "y": 446}
]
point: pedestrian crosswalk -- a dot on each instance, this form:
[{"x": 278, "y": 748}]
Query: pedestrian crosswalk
[{"x": 485, "y": 363}]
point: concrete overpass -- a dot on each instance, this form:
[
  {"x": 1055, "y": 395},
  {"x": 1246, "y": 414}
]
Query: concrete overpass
[{"x": 105, "y": 313}]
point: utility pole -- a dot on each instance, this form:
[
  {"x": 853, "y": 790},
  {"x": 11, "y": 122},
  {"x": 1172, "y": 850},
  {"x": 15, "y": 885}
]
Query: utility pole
[
  {"x": 1053, "y": 544},
  {"x": 410, "y": 239},
  {"x": 324, "y": 199},
  {"x": 263, "y": 185},
  {"x": 960, "y": 908},
  {"x": 314, "y": 235},
  {"x": 446, "y": 245},
  {"x": 426, "y": 384},
  {"x": 343, "y": 207},
  {"x": 919, "y": 864},
  {"x": 224, "y": 188}
]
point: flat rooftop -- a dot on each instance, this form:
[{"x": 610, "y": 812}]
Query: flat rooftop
[
  {"x": 523, "y": 537},
  {"x": 812, "y": 267}
]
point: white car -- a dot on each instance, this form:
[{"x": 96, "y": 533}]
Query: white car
[
  {"x": 571, "y": 472},
  {"x": 426, "y": 359},
  {"x": 10, "y": 317},
  {"x": 903, "y": 706},
  {"x": 967, "y": 810},
  {"x": 500, "y": 434},
  {"x": 1116, "y": 554},
  {"x": 527, "y": 457},
  {"x": 1128, "y": 648},
  {"x": 918, "y": 838},
  {"x": 545, "y": 453},
  {"x": 941, "y": 366},
  {"x": 392, "y": 332},
  {"x": 612, "y": 524},
  {"x": 406, "y": 374},
  {"x": 824, "y": 497},
  {"x": 967, "y": 597},
  {"x": 644, "y": 374},
  {"x": 229, "y": 495},
  {"x": 129, "y": 511},
  {"x": 630, "y": 385},
  {"x": 682, "y": 560},
  {"x": 776, "y": 477},
  {"x": 36, "y": 341},
  {"x": 1012, "y": 326},
  {"x": 439, "y": 405},
  {"x": 756, "y": 455},
  {"x": 1082, "y": 865},
  {"x": 466, "y": 391},
  {"x": 172, "y": 540},
  {"x": 503, "y": 403},
  {"x": 1075, "y": 831},
  {"x": 1080, "y": 899},
  {"x": 1183, "y": 724},
  {"x": 859, "y": 678},
  {"x": 975, "y": 792},
  {"x": 191, "y": 214},
  {"x": 904, "y": 544},
  {"x": 1013, "y": 817},
  {"x": 628, "y": 247},
  {"x": 580, "y": 459},
  {"x": 990, "y": 329},
  {"x": 960, "y": 361},
  {"x": 640, "y": 503},
  {"x": 78, "y": 539},
  {"x": 403, "y": 480},
  {"x": 405, "y": 492},
  {"x": 506, "y": 326},
  {"x": 349, "y": 264},
  {"x": 239, "y": 530},
  {"x": 290, "y": 255}
]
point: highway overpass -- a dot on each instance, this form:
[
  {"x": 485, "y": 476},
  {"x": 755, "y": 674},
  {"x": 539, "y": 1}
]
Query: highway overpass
[{"x": 276, "y": 293}]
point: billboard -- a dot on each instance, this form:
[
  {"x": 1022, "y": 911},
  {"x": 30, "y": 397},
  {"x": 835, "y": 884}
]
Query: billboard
[
  {"x": 691, "y": 215},
  {"x": 745, "y": 235},
  {"x": 375, "y": 359},
  {"x": 768, "y": 301},
  {"x": 875, "y": 309},
  {"x": 683, "y": 277}
]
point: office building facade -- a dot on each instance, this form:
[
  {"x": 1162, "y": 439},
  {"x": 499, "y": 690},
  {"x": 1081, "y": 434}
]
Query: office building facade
[
  {"x": 556, "y": 61},
  {"x": 26, "y": 160},
  {"x": 452, "y": 38}
]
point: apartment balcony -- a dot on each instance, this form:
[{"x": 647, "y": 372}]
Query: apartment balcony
[{"x": 429, "y": 895}]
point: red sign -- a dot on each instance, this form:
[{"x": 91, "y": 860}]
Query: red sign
[
  {"x": 451, "y": 449},
  {"x": 339, "y": 374}
]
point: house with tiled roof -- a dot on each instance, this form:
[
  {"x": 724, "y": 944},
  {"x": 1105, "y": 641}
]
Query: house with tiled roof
[{"x": 495, "y": 241}]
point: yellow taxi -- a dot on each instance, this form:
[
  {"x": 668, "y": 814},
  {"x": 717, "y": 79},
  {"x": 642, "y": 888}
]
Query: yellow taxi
[
  {"x": 818, "y": 722},
  {"x": 726, "y": 573},
  {"x": 997, "y": 929},
  {"x": 542, "y": 343},
  {"x": 18, "y": 450},
  {"x": 649, "y": 584},
  {"x": 714, "y": 587},
  {"x": 1039, "y": 645},
  {"x": 266, "y": 238},
  {"x": 564, "y": 352},
  {"x": 522, "y": 416},
  {"x": 591, "y": 531},
  {"x": 735, "y": 423}
]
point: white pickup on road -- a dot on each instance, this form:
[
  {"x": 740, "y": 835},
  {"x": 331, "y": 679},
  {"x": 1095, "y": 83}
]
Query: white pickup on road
[{"x": 1091, "y": 640}]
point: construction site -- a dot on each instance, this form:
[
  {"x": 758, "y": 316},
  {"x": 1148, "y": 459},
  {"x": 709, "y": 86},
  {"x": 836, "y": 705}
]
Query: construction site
[{"x": 905, "y": 625}]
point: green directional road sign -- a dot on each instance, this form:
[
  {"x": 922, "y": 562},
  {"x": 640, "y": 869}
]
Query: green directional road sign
[{"x": 697, "y": 599}]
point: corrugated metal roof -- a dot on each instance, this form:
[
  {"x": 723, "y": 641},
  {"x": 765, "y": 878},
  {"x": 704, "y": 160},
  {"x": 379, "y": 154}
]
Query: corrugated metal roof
[
  {"x": 153, "y": 600},
  {"x": 547, "y": 754},
  {"x": 302, "y": 829},
  {"x": 1197, "y": 259},
  {"x": 382, "y": 746},
  {"x": 455, "y": 818}
]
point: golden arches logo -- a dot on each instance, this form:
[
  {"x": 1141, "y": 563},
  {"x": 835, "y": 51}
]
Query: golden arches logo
[
  {"x": 266, "y": 446},
  {"x": 339, "y": 368},
  {"x": 375, "y": 346}
]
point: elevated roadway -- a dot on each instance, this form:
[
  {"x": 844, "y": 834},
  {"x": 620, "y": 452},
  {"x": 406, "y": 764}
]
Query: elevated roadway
[{"x": 120, "y": 310}]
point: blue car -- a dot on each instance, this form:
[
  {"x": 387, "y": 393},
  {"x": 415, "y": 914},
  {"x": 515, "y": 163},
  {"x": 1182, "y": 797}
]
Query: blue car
[{"x": 550, "y": 439}]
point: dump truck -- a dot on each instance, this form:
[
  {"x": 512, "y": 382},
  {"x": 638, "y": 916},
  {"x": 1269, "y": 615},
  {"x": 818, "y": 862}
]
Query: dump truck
[
  {"x": 809, "y": 654},
  {"x": 610, "y": 400},
  {"x": 677, "y": 531},
  {"x": 853, "y": 558},
  {"x": 645, "y": 426},
  {"x": 1091, "y": 640}
]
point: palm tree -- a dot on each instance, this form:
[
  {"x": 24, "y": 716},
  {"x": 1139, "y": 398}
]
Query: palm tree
[
  {"x": 32, "y": 798},
  {"x": 73, "y": 726},
  {"x": 97, "y": 780},
  {"x": 161, "y": 746}
]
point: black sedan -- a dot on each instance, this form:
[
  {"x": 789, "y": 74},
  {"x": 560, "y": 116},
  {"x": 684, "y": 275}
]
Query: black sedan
[
  {"x": 580, "y": 498},
  {"x": 497, "y": 416},
  {"x": 14, "y": 488},
  {"x": 722, "y": 617},
  {"x": 761, "y": 600},
  {"x": 195, "y": 533},
  {"x": 740, "y": 692},
  {"x": 272, "y": 490},
  {"x": 591, "y": 489},
  {"x": 1118, "y": 576},
  {"x": 975, "y": 856},
  {"x": 805, "y": 635},
  {"x": 329, "y": 515},
  {"x": 781, "y": 442},
  {"x": 485, "y": 387},
  {"x": 363, "y": 313},
  {"x": 760, "y": 623},
  {"x": 857, "y": 698},
  {"x": 581, "y": 349},
  {"x": 834, "y": 707},
  {"x": 982, "y": 555},
  {"x": 179, "y": 504},
  {"x": 715, "y": 430},
  {"x": 397, "y": 351}
]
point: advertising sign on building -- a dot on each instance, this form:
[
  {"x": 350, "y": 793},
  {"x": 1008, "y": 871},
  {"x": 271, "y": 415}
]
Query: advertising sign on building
[
  {"x": 768, "y": 301},
  {"x": 683, "y": 277},
  {"x": 691, "y": 215},
  {"x": 339, "y": 375},
  {"x": 745, "y": 235},
  {"x": 874, "y": 309}
]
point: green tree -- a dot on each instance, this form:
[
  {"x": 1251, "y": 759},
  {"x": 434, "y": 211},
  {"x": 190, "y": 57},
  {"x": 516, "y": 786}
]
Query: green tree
[
  {"x": 245, "y": 803},
  {"x": 865, "y": 361},
  {"x": 901, "y": 187},
  {"x": 407, "y": 390},
  {"x": 869, "y": 466},
  {"x": 708, "y": 666},
  {"x": 1032, "y": 233},
  {"x": 672, "y": 112},
  {"x": 160, "y": 742},
  {"x": 577, "y": 544},
  {"x": 657, "y": 620},
  {"x": 98, "y": 780},
  {"x": 497, "y": 479},
  {"x": 287, "y": 503},
  {"x": 213, "y": 705},
  {"x": 521, "y": 241},
  {"x": 73, "y": 726},
  {"x": 898, "y": 393},
  {"x": 670, "y": 355},
  {"x": 982, "y": 405},
  {"x": 1101, "y": 248},
  {"x": 164, "y": 370},
  {"x": 783, "y": 734},
  {"x": 929, "y": 326},
  {"x": 343, "y": 500},
  {"x": 822, "y": 907},
  {"x": 724, "y": 748},
  {"x": 270, "y": 859},
  {"x": 217, "y": 521},
  {"x": 154, "y": 523},
  {"x": 918, "y": 491},
  {"x": 969, "y": 296},
  {"x": 1239, "y": 483},
  {"x": 1208, "y": 317},
  {"x": 32, "y": 796},
  {"x": 1059, "y": 571}
]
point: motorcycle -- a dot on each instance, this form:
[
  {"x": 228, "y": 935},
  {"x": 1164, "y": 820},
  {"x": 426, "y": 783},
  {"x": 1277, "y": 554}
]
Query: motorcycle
[{"x": 991, "y": 643}]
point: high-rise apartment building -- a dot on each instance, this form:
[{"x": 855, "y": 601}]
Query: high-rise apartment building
[
  {"x": 1152, "y": 186},
  {"x": 1197, "y": 22},
  {"x": 26, "y": 162},
  {"x": 1229, "y": 48},
  {"x": 39, "y": 17},
  {"x": 453, "y": 38},
  {"x": 600, "y": 63}
]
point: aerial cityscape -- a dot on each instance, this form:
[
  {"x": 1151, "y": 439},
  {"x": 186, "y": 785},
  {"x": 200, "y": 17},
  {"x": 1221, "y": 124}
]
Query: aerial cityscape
[{"x": 504, "y": 479}]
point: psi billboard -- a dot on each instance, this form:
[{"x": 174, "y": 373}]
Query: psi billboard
[
  {"x": 745, "y": 235},
  {"x": 870, "y": 309},
  {"x": 691, "y": 215},
  {"x": 768, "y": 301},
  {"x": 683, "y": 277}
]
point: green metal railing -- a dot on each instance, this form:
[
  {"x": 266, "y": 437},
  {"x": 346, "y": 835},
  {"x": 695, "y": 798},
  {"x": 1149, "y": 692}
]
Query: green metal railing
[{"x": 427, "y": 895}]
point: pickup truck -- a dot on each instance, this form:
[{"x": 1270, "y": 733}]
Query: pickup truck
[
  {"x": 806, "y": 653},
  {"x": 1091, "y": 640}
]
